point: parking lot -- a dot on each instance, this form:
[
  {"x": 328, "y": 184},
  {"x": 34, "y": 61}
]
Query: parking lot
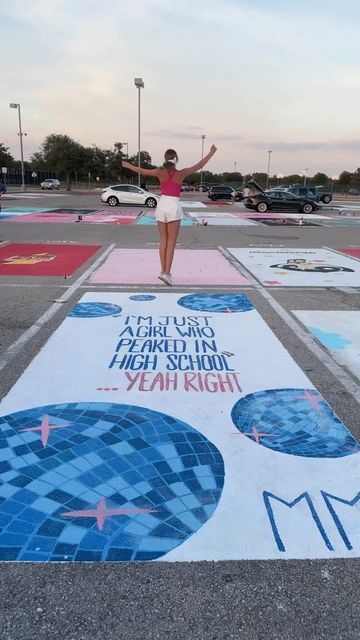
[{"x": 281, "y": 336}]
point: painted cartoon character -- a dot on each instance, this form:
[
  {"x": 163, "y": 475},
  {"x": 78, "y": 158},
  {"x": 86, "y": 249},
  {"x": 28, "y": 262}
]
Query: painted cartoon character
[
  {"x": 300, "y": 264},
  {"x": 34, "y": 258}
]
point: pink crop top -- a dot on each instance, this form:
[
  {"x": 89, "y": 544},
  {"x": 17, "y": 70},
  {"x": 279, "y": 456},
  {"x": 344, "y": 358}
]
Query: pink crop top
[{"x": 170, "y": 187}]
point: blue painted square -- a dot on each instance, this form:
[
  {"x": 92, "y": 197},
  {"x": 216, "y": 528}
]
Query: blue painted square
[
  {"x": 45, "y": 505},
  {"x": 7, "y": 490}
]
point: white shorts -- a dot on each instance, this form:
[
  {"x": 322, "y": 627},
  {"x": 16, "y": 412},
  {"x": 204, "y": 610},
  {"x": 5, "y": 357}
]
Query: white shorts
[{"x": 168, "y": 209}]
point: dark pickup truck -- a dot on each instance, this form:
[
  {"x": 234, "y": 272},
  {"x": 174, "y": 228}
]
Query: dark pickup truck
[{"x": 315, "y": 193}]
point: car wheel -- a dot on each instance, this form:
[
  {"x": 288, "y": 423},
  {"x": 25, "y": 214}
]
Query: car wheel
[
  {"x": 326, "y": 199},
  {"x": 113, "y": 201},
  {"x": 151, "y": 203},
  {"x": 262, "y": 207},
  {"x": 307, "y": 208}
]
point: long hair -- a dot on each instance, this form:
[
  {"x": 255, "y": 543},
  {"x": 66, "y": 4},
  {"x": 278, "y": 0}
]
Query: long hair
[{"x": 171, "y": 158}]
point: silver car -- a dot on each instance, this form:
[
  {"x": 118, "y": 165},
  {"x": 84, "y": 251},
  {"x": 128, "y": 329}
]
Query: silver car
[
  {"x": 128, "y": 194},
  {"x": 50, "y": 183}
]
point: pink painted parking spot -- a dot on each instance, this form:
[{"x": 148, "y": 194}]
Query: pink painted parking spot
[
  {"x": 191, "y": 267},
  {"x": 108, "y": 218},
  {"x": 46, "y": 217},
  {"x": 120, "y": 212}
]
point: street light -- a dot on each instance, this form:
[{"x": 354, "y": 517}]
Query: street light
[
  {"x": 268, "y": 168},
  {"x": 202, "y": 157},
  {"x": 16, "y": 105},
  {"x": 139, "y": 84},
  {"x": 304, "y": 173},
  {"x": 235, "y": 163}
]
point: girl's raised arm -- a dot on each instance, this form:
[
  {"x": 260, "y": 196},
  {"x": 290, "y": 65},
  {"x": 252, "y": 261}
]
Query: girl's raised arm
[
  {"x": 199, "y": 165},
  {"x": 143, "y": 172}
]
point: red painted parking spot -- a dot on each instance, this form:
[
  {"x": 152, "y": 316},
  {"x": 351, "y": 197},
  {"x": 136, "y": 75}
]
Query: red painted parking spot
[
  {"x": 43, "y": 259},
  {"x": 353, "y": 251}
]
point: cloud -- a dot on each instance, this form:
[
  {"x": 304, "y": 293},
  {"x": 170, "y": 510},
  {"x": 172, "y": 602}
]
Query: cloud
[{"x": 334, "y": 146}]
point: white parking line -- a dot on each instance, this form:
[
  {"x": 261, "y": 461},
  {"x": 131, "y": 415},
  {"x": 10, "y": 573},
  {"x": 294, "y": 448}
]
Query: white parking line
[
  {"x": 306, "y": 338},
  {"x": 14, "y": 349}
]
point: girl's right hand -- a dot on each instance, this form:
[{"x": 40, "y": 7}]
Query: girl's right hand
[{"x": 213, "y": 149}]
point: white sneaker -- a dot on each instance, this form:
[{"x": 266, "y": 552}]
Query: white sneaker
[{"x": 166, "y": 277}]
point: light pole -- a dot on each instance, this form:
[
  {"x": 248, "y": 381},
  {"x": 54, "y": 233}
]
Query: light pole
[
  {"x": 268, "y": 168},
  {"x": 304, "y": 173},
  {"x": 202, "y": 157},
  {"x": 139, "y": 83},
  {"x": 235, "y": 163},
  {"x": 16, "y": 105}
]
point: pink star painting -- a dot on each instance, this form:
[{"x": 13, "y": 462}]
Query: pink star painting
[
  {"x": 45, "y": 429},
  {"x": 257, "y": 435},
  {"x": 102, "y": 512},
  {"x": 314, "y": 400}
]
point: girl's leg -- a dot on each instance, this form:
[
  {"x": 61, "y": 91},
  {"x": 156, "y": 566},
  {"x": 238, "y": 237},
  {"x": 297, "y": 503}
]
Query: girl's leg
[
  {"x": 163, "y": 233},
  {"x": 172, "y": 234}
]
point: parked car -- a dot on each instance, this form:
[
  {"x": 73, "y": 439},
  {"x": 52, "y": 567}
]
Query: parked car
[
  {"x": 223, "y": 193},
  {"x": 354, "y": 192},
  {"x": 50, "y": 183},
  {"x": 128, "y": 194},
  {"x": 311, "y": 192},
  {"x": 278, "y": 200}
]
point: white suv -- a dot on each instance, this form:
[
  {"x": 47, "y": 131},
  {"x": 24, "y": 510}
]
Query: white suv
[
  {"x": 50, "y": 183},
  {"x": 128, "y": 194}
]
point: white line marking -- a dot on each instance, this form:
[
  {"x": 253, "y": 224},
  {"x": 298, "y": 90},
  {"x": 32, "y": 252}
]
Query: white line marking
[
  {"x": 14, "y": 349},
  {"x": 326, "y": 360}
]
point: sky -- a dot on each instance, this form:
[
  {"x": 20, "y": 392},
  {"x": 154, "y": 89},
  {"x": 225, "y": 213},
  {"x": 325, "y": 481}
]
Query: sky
[{"x": 252, "y": 76}]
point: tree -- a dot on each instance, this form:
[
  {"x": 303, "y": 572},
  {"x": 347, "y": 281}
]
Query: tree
[
  {"x": 6, "y": 159},
  {"x": 355, "y": 180},
  {"x": 345, "y": 179},
  {"x": 319, "y": 179},
  {"x": 260, "y": 178},
  {"x": 61, "y": 153}
]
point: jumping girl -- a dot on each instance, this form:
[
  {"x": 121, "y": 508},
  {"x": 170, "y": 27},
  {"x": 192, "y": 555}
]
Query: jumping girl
[{"x": 169, "y": 212}]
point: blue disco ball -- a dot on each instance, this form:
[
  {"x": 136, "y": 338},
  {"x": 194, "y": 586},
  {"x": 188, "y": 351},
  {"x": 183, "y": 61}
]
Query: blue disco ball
[
  {"x": 94, "y": 310},
  {"x": 102, "y": 482},
  {"x": 294, "y": 421},
  {"x": 216, "y": 302}
]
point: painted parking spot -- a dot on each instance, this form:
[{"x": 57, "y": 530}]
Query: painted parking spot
[
  {"x": 190, "y": 204},
  {"x": 300, "y": 267},
  {"x": 148, "y": 219},
  {"x": 123, "y": 452},
  {"x": 339, "y": 332},
  {"x": 225, "y": 222},
  {"x": 43, "y": 259},
  {"x": 74, "y": 211},
  {"x": 26, "y": 210},
  {"x": 281, "y": 221},
  {"x": 351, "y": 251},
  {"x": 191, "y": 267},
  {"x": 46, "y": 217}
]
